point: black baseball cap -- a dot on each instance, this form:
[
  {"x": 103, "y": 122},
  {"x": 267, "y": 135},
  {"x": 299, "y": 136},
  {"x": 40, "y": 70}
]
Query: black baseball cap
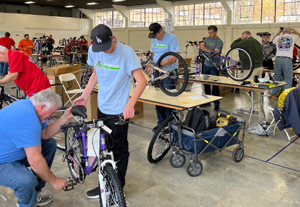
[
  {"x": 102, "y": 37},
  {"x": 154, "y": 28},
  {"x": 266, "y": 34}
]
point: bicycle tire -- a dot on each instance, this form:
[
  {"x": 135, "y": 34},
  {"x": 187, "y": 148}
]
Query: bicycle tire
[
  {"x": 60, "y": 136},
  {"x": 76, "y": 151},
  {"x": 113, "y": 189},
  {"x": 244, "y": 67},
  {"x": 181, "y": 72},
  {"x": 296, "y": 63},
  {"x": 160, "y": 143}
]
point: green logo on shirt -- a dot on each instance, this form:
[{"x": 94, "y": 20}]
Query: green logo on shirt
[
  {"x": 108, "y": 66},
  {"x": 160, "y": 46}
]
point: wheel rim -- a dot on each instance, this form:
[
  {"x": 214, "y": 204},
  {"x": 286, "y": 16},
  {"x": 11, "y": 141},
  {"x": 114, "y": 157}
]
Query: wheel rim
[
  {"x": 177, "y": 160},
  {"x": 239, "y": 154},
  {"x": 75, "y": 154},
  {"x": 162, "y": 143},
  {"x": 296, "y": 61},
  {"x": 171, "y": 85},
  {"x": 195, "y": 168},
  {"x": 241, "y": 63}
]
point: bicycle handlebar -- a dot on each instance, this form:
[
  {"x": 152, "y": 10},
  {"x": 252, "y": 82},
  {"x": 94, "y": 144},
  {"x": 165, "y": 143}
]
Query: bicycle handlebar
[{"x": 118, "y": 117}]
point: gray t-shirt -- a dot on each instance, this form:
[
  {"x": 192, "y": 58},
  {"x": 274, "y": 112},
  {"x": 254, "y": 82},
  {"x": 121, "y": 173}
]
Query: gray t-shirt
[{"x": 213, "y": 44}]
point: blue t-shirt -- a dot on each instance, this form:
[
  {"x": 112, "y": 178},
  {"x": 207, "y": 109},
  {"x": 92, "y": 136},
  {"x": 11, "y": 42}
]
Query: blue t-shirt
[
  {"x": 169, "y": 43},
  {"x": 114, "y": 71},
  {"x": 213, "y": 44},
  {"x": 19, "y": 127}
]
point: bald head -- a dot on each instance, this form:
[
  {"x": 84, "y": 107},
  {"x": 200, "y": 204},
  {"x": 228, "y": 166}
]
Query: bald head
[{"x": 287, "y": 30}]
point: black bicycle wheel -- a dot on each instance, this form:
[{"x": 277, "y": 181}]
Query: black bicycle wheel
[
  {"x": 113, "y": 190},
  {"x": 74, "y": 153},
  {"x": 161, "y": 141},
  {"x": 240, "y": 64},
  {"x": 171, "y": 84},
  {"x": 296, "y": 59}
]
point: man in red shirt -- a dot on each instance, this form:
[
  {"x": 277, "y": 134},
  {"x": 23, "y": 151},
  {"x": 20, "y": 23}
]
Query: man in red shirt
[
  {"x": 23, "y": 72},
  {"x": 8, "y": 43}
]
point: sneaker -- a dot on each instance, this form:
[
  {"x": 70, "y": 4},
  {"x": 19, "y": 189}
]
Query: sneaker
[
  {"x": 94, "y": 193},
  {"x": 43, "y": 200},
  {"x": 154, "y": 128}
]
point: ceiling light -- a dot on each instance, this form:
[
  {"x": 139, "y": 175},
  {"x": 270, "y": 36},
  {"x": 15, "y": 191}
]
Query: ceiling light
[
  {"x": 29, "y": 2},
  {"x": 69, "y": 6},
  {"x": 92, "y": 3},
  {"x": 118, "y": 0}
]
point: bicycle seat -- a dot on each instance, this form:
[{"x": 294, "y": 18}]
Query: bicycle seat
[
  {"x": 79, "y": 110},
  {"x": 261, "y": 34}
]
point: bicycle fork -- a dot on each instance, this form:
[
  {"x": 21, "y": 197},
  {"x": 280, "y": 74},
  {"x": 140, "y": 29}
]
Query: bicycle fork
[{"x": 108, "y": 159}]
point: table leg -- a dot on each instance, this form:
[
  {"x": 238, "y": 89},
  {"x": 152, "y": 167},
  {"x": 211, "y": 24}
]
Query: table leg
[
  {"x": 262, "y": 104},
  {"x": 252, "y": 105}
]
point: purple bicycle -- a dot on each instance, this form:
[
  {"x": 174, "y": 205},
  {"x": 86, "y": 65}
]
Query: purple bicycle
[
  {"x": 79, "y": 162},
  {"x": 237, "y": 62}
]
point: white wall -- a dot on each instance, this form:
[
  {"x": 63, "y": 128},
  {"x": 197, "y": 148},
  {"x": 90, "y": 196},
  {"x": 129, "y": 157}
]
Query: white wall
[
  {"x": 37, "y": 25},
  {"x": 138, "y": 39}
]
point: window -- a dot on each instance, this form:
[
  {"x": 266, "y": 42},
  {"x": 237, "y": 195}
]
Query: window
[
  {"x": 214, "y": 14},
  {"x": 113, "y": 19},
  {"x": 268, "y": 11},
  {"x": 263, "y": 11},
  {"x": 184, "y": 15},
  {"x": 200, "y": 14},
  {"x": 144, "y": 17},
  {"x": 247, "y": 11},
  {"x": 288, "y": 11}
]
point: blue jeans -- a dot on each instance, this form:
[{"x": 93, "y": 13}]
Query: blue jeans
[
  {"x": 215, "y": 90},
  {"x": 24, "y": 182},
  {"x": 163, "y": 112},
  {"x": 3, "y": 68},
  {"x": 283, "y": 67}
]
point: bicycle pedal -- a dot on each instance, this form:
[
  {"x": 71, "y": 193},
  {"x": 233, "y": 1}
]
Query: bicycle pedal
[{"x": 70, "y": 185}]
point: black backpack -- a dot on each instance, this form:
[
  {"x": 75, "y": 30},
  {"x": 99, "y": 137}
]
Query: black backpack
[{"x": 198, "y": 119}]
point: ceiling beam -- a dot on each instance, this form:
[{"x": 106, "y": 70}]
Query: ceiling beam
[{"x": 167, "y": 6}]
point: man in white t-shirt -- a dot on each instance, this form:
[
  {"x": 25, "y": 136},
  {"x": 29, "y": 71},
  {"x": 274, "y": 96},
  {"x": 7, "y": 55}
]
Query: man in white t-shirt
[{"x": 284, "y": 53}]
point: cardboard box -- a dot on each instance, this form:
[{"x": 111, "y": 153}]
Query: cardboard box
[
  {"x": 139, "y": 106},
  {"x": 54, "y": 72},
  {"x": 92, "y": 106}
]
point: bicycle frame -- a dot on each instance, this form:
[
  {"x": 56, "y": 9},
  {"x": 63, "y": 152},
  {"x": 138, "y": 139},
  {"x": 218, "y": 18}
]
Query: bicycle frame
[
  {"x": 89, "y": 166},
  {"x": 222, "y": 60}
]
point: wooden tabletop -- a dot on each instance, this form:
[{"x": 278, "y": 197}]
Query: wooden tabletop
[
  {"x": 183, "y": 101},
  {"x": 227, "y": 81}
]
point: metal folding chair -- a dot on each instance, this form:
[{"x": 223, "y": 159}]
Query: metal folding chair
[{"x": 70, "y": 77}]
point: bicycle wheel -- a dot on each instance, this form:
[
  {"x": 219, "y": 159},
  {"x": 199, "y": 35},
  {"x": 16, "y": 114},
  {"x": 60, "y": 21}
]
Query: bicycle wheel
[
  {"x": 240, "y": 64},
  {"x": 60, "y": 136},
  {"x": 170, "y": 85},
  {"x": 296, "y": 61},
  {"x": 75, "y": 158},
  {"x": 113, "y": 190},
  {"x": 161, "y": 141}
]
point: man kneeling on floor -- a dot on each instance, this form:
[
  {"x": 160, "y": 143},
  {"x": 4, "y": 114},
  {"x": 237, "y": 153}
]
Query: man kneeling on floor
[{"x": 26, "y": 142}]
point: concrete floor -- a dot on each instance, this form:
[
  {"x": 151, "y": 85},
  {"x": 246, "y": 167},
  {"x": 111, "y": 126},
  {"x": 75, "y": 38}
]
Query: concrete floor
[{"x": 268, "y": 176}]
